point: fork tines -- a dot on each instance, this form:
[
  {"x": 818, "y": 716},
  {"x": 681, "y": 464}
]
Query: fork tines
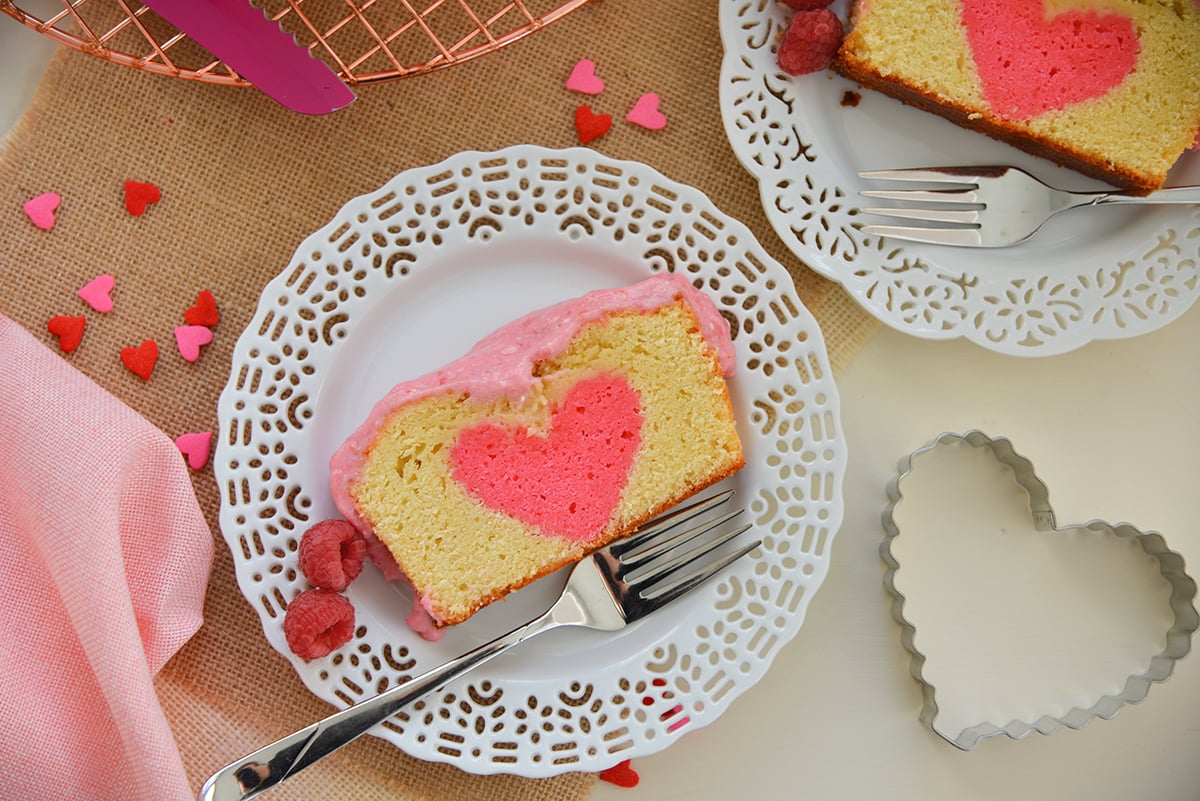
[
  {"x": 664, "y": 523},
  {"x": 962, "y": 195},
  {"x": 655, "y": 568},
  {"x": 970, "y": 176}
]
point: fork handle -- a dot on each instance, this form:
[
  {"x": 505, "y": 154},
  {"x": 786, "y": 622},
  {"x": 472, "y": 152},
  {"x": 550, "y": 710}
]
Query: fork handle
[
  {"x": 267, "y": 767},
  {"x": 1183, "y": 195}
]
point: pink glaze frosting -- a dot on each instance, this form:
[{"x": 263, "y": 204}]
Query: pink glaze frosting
[
  {"x": 1029, "y": 65},
  {"x": 501, "y": 365}
]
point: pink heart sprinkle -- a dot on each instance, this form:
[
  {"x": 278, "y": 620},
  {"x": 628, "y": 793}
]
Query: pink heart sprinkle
[
  {"x": 96, "y": 292},
  {"x": 40, "y": 209},
  {"x": 195, "y": 447},
  {"x": 646, "y": 114},
  {"x": 583, "y": 78},
  {"x": 189, "y": 338}
]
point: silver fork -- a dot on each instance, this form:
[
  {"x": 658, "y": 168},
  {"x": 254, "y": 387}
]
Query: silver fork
[
  {"x": 989, "y": 207},
  {"x": 612, "y": 588}
]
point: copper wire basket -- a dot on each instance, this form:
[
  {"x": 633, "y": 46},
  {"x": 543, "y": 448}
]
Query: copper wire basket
[{"x": 364, "y": 41}]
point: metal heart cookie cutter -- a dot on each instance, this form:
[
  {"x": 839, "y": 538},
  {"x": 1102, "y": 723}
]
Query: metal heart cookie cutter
[{"x": 1169, "y": 563}]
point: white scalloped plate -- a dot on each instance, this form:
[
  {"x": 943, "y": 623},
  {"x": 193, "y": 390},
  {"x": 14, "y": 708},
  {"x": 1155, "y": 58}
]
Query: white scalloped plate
[
  {"x": 407, "y": 278},
  {"x": 1088, "y": 275}
]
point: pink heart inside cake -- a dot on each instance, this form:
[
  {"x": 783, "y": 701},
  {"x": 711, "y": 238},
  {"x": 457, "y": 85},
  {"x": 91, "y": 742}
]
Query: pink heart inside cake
[
  {"x": 1030, "y": 64},
  {"x": 565, "y": 483}
]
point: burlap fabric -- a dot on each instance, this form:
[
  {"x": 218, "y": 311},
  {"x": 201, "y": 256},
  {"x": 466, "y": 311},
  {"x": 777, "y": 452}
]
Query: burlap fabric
[{"x": 244, "y": 181}]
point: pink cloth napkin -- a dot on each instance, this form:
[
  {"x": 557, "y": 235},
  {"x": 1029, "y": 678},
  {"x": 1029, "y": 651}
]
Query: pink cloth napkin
[{"x": 104, "y": 559}]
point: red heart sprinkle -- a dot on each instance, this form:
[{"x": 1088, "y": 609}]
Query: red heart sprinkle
[
  {"x": 590, "y": 125},
  {"x": 204, "y": 312},
  {"x": 621, "y": 774},
  {"x": 139, "y": 195},
  {"x": 69, "y": 331},
  {"x": 141, "y": 359}
]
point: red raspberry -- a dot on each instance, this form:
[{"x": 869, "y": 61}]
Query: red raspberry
[
  {"x": 318, "y": 622},
  {"x": 807, "y": 5},
  {"x": 810, "y": 42},
  {"x": 331, "y": 554}
]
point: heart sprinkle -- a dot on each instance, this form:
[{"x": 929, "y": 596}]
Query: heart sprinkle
[
  {"x": 590, "y": 125},
  {"x": 189, "y": 338},
  {"x": 204, "y": 312},
  {"x": 40, "y": 209},
  {"x": 139, "y": 195},
  {"x": 96, "y": 293},
  {"x": 141, "y": 359},
  {"x": 69, "y": 331},
  {"x": 583, "y": 78},
  {"x": 646, "y": 114},
  {"x": 195, "y": 447},
  {"x": 621, "y": 774}
]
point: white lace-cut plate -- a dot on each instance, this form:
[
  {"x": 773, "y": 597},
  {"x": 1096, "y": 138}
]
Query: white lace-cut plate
[
  {"x": 406, "y": 279},
  {"x": 1087, "y": 275}
]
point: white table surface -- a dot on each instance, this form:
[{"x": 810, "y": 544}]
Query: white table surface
[{"x": 1112, "y": 428}]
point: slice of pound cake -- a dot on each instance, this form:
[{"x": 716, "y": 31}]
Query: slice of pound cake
[
  {"x": 1110, "y": 88},
  {"x": 553, "y": 436}
]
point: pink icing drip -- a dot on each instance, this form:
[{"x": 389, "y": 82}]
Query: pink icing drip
[
  {"x": 382, "y": 557},
  {"x": 421, "y": 620},
  {"x": 501, "y": 365},
  {"x": 1029, "y": 65}
]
